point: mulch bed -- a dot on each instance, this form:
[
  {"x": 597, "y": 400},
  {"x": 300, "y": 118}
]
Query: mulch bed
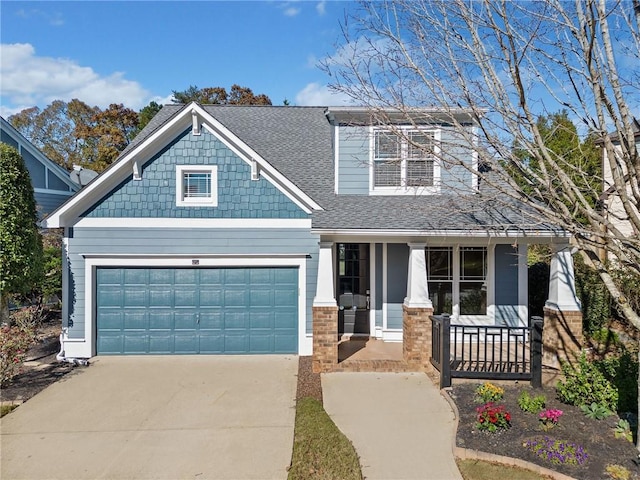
[
  {"x": 596, "y": 436},
  {"x": 42, "y": 368},
  {"x": 309, "y": 384}
]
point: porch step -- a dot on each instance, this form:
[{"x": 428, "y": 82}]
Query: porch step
[{"x": 381, "y": 366}]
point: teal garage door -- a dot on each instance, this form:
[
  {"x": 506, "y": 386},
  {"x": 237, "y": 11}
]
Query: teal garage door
[{"x": 196, "y": 310}]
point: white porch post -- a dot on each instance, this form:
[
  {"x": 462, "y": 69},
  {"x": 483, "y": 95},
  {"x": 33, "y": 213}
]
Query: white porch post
[
  {"x": 324, "y": 286},
  {"x": 562, "y": 281},
  {"x": 417, "y": 287}
]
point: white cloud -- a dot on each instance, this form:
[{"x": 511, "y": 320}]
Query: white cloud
[
  {"x": 321, "y": 7},
  {"x": 291, "y": 11},
  {"x": 54, "y": 19},
  {"x": 28, "y": 79},
  {"x": 315, "y": 94}
]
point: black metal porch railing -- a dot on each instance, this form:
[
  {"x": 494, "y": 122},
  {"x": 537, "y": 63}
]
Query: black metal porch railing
[{"x": 486, "y": 352}]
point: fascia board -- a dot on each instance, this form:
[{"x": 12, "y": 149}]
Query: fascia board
[
  {"x": 69, "y": 211},
  {"x": 248, "y": 154}
]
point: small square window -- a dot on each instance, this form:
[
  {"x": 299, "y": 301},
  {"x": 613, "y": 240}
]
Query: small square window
[{"x": 197, "y": 185}]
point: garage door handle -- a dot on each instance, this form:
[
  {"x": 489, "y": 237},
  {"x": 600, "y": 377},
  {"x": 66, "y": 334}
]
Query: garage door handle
[{"x": 198, "y": 318}]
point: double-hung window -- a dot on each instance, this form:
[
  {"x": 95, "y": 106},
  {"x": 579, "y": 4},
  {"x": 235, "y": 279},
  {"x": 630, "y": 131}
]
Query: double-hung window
[
  {"x": 461, "y": 282},
  {"x": 404, "y": 160},
  {"x": 196, "y": 185}
]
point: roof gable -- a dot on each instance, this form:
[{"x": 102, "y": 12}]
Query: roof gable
[{"x": 171, "y": 123}]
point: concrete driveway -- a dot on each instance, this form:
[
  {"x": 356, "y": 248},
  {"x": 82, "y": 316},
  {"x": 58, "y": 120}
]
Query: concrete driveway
[{"x": 160, "y": 417}]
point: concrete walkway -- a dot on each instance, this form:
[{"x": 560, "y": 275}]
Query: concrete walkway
[
  {"x": 170, "y": 417},
  {"x": 399, "y": 424}
]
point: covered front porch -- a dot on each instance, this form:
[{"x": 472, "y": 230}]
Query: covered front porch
[{"x": 374, "y": 300}]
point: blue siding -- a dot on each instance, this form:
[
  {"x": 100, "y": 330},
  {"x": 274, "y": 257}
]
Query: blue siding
[
  {"x": 112, "y": 241},
  {"x": 155, "y": 194},
  {"x": 506, "y": 285},
  {"x": 456, "y": 179},
  {"x": 353, "y": 161},
  {"x": 378, "y": 300},
  {"x": 8, "y": 139},
  {"x": 48, "y": 202},
  {"x": 397, "y": 270},
  {"x": 37, "y": 171}
]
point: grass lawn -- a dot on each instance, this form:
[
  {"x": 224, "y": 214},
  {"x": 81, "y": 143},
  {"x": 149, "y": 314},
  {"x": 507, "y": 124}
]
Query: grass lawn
[
  {"x": 6, "y": 409},
  {"x": 320, "y": 449},
  {"x": 480, "y": 470}
]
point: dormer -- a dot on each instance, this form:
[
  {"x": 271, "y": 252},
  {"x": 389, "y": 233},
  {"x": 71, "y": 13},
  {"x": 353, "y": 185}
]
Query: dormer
[{"x": 389, "y": 152}]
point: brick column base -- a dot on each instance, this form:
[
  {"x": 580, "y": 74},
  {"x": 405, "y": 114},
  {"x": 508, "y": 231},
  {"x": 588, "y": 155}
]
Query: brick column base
[
  {"x": 562, "y": 337},
  {"x": 325, "y": 339},
  {"x": 416, "y": 336}
]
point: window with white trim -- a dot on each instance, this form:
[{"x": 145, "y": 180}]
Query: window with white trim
[
  {"x": 470, "y": 277},
  {"x": 197, "y": 185},
  {"x": 404, "y": 159}
]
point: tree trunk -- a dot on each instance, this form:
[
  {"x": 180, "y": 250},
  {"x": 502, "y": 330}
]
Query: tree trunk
[{"x": 4, "y": 309}]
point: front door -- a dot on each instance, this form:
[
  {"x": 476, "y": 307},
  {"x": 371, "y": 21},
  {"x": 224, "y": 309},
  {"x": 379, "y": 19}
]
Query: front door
[{"x": 353, "y": 288}]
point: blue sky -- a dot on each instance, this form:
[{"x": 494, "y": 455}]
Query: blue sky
[{"x": 134, "y": 52}]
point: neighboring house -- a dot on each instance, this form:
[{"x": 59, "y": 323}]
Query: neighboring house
[
  {"x": 258, "y": 229},
  {"x": 51, "y": 184},
  {"x": 611, "y": 199}
]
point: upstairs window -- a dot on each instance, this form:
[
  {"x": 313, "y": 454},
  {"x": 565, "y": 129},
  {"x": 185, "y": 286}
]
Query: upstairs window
[
  {"x": 404, "y": 159},
  {"x": 196, "y": 185}
]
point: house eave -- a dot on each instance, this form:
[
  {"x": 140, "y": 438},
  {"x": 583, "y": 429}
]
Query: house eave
[{"x": 458, "y": 233}]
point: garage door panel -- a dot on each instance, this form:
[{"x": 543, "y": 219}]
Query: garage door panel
[
  {"x": 111, "y": 319},
  {"x": 110, "y": 342},
  {"x": 161, "y": 343},
  {"x": 235, "y": 297},
  {"x": 261, "y": 298},
  {"x": 236, "y": 342},
  {"x": 285, "y": 298},
  {"x": 160, "y": 297},
  {"x": 185, "y": 342},
  {"x": 136, "y": 276},
  {"x": 283, "y": 342},
  {"x": 197, "y": 310},
  {"x": 109, "y": 296},
  {"x": 211, "y": 320},
  {"x": 185, "y": 320},
  {"x": 135, "y": 297},
  {"x": 186, "y": 276},
  {"x": 211, "y": 276},
  {"x": 161, "y": 276},
  {"x": 136, "y": 342},
  {"x": 211, "y": 296},
  {"x": 261, "y": 320},
  {"x": 160, "y": 320},
  {"x": 261, "y": 343},
  {"x": 211, "y": 342},
  {"x": 185, "y": 297},
  {"x": 135, "y": 320}
]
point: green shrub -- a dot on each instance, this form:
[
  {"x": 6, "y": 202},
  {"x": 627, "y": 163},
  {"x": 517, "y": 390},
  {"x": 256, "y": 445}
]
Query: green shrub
[
  {"x": 530, "y": 404},
  {"x": 594, "y": 296},
  {"x": 623, "y": 430},
  {"x": 586, "y": 384},
  {"x": 622, "y": 372},
  {"x": 14, "y": 342},
  {"x": 595, "y": 411}
]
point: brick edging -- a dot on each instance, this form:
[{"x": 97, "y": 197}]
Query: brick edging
[{"x": 470, "y": 454}]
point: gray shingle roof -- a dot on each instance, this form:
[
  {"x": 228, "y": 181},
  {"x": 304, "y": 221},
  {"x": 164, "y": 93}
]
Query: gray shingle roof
[{"x": 298, "y": 142}]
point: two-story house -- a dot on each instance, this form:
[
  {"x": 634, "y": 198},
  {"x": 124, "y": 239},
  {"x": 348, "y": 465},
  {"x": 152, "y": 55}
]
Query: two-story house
[{"x": 260, "y": 229}]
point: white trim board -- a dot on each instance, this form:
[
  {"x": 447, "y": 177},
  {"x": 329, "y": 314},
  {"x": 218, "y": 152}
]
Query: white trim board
[
  {"x": 168, "y": 223},
  {"x": 86, "y": 347}
]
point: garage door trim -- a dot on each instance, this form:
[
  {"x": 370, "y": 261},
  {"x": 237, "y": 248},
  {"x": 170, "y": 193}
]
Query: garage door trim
[{"x": 92, "y": 262}]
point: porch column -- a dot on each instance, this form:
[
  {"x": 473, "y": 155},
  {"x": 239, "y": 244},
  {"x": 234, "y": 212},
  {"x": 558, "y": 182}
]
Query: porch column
[
  {"x": 562, "y": 335},
  {"x": 325, "y": 314},
  {"x": 417, "y": 310}
]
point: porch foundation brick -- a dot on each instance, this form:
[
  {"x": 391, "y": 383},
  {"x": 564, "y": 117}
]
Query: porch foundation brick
[
  {"x": 325, "y": 339},
  {"x": 416, "y": 336},
  {"x": 562, "y": 337}
]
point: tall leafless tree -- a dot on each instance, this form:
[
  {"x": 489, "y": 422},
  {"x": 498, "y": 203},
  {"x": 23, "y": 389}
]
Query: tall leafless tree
[{"x": 510, "y": 63}]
